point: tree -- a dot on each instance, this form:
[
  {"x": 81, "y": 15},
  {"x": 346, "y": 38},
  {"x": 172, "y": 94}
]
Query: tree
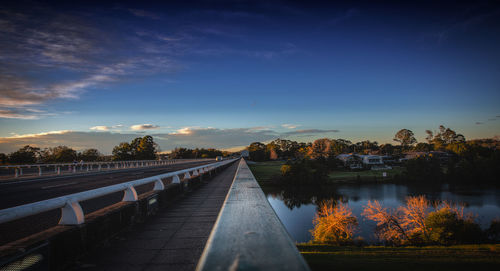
[
  {"x": 321, "y": 148},
  {"x": 25, "y": 155},
  {"x": 405, "y": 137},
  {"x": 3, "y": 158},
  {"x": 257, "y": 151},
  {"x": 122, "y": 152},
  {"x": 89, "y": 155},
  {"x": 334, "y": 223},
  {"x": 444, "y": 137},
  {"x": 59, "y": 154},
  {"x": 145, "y": 149},
  {"x": 138, "y": 149}
]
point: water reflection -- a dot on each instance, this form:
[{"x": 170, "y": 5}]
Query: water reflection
[{"x": 296, "y": 206}]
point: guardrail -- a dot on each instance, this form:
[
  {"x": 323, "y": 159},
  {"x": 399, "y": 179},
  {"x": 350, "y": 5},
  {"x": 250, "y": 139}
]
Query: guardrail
[
  {"x": 248, "y": 235},
  {"x": 79, "y": 167},
  {"x": 71, "y": 211}
]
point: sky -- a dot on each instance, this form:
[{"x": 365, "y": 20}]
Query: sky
[{"x": 224, "y": 74}]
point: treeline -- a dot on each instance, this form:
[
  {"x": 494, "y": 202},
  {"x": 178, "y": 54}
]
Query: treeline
[
  {"x": 418, "y": 222},
  {"x": 445, "y": 139},
  {"x": 184, "y": 153},
  {"x": 59, "y": 154},
  {"x": 141, "y": 148},
  {"x": 465, "y": 160}
]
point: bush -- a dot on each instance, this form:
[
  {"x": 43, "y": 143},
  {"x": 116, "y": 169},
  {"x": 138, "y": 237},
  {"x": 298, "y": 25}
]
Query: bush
[
  {"x": 447, "y": 228},
  {"x": 493, "y": 232}
]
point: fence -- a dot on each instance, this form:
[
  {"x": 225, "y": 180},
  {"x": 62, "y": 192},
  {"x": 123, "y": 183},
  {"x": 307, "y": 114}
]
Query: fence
[
  {"x": 18, "y": 171},
  {"x": 71, "y": 210}
]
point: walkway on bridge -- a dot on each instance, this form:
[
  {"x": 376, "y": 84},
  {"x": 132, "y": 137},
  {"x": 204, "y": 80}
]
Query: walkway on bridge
[{"x": 173, "y": 239}]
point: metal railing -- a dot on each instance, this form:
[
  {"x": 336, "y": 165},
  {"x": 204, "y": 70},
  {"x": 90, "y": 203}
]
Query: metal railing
[
  {"x": 17, "y": 171},
  {"x": 71, "y": 211}
]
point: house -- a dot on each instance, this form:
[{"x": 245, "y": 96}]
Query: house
[{"x": 351, "y": 161}]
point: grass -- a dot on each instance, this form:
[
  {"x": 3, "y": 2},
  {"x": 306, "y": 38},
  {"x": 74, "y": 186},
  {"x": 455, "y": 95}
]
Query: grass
[
  {"x": 464, "y": 257},
  {"x": 264, "y": 172},
  {"x": 364, "y": 175}
]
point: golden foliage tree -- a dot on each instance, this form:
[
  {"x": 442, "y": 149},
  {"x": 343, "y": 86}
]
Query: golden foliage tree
[{"x": 334, "y": 223}]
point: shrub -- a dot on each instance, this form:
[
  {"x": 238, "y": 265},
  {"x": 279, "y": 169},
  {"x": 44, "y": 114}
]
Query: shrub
[
  {"x": 448, "y": 228},
  {"x": 493, "y": 232},
  {"x": 334, "y": 223}
]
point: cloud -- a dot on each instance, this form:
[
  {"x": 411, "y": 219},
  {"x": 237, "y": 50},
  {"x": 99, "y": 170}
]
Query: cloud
[
  {"x": 100, "y": 128},
  {"x": 478, "y": 123},
  {"x": 28, "y": 136},
  {"x": 139, "y": 127},
  {"x": 144, "y": 14},
  {"x": 310, "y": 132},
  {"x": 105, "y": 128},
  {"x": 83, "y": 50},
  {"x": 10, "y": 114},
  {"x": 24, "y": 113},
  {"x": 472, "y": 19},
  {"x": 189, "y": 137},
  {"x": 290, "y": 126}
]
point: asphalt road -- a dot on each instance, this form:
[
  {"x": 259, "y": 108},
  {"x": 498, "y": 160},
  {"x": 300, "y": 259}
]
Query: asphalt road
[{"x": 28, "y": 191}]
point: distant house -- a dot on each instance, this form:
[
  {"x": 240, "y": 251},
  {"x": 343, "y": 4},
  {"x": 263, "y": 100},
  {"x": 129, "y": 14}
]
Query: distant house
[{"x": 350, "y": 161}]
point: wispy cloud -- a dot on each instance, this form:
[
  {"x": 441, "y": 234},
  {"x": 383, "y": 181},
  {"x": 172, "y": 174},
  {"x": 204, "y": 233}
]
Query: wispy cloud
[
  {"x": 310, "y": 132},
  {"x": 472, "y": 19},
  {"x": 144, "y": 14},
  {"x": 39, "y": 40},
  {"x": 140, "y": 127},
  {"x": 478, "y": 123},
  {"x": 290, "y": 126}
]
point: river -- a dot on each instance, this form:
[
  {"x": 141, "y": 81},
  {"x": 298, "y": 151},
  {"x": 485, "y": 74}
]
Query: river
[{"x": 296, "y": 207}]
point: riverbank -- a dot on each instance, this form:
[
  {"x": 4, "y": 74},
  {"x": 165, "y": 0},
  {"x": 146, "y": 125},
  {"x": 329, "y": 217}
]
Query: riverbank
[
  {"x": 463, "y": 257},
  {"x": 267, "y": 173}
]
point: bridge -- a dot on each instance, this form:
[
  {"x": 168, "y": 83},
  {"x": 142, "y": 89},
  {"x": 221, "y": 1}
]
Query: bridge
[{"x": 202, "y": 215}]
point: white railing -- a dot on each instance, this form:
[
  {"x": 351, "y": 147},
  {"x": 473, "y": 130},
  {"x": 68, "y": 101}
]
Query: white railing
[
  {"x": 82, "y": 167},
  {"x": 71, "y": 211}
]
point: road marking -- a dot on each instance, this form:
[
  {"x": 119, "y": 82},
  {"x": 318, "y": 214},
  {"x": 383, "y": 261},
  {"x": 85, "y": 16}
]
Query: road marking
[{"x": 57, "y": 185}]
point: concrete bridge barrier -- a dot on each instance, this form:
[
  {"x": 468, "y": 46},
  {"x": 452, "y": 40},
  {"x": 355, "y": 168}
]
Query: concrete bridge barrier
[{"x": 248, "y": 235}]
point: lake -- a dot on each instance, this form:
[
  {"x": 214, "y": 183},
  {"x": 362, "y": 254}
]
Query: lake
[{"x": 296, "y": 207}]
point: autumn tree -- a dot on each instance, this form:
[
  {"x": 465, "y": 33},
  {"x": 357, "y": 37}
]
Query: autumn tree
[
  {"x": 389, "y": 225},
  {"x": 405, "y": 137},
  {"x": 334, "y": 223}
]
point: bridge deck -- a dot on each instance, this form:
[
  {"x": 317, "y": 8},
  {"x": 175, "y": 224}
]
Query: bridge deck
[{"x": 171, "y": 240}]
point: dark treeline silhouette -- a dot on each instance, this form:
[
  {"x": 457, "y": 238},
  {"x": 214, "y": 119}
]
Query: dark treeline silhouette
[
  {"x": 59, "y": 154},
  {"x": 141, "y": 148}
]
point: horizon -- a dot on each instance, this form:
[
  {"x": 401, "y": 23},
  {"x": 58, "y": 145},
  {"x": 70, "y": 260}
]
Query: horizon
[{"x": 224, "y": 74}]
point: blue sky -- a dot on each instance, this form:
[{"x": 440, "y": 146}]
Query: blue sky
[{"x": 226, "y": 73}]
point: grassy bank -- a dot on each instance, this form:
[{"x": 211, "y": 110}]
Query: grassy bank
[
  {"x": 265, "y": 172},
  {"x": 464, "y": 257},
  {"x": 346, "y": 176}
]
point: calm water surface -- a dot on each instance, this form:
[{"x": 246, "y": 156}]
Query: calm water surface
[{"x": 296, "y": 209}]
